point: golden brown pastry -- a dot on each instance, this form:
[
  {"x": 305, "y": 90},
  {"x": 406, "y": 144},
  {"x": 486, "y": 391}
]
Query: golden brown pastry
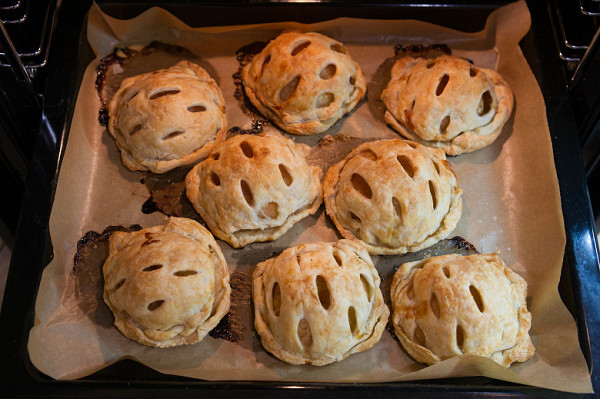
[
  {"x": 318, "y": 303},
  {"x": 254, "y": 188},
  {"x": 447, "y": 103},
  {"x": 304, "y": 82},
  {"x": 167, "y": 118},
  {"x": 166, "y": 285},
  {"x": 394, "y": 196},
  {"x": 452, "y": 305}
]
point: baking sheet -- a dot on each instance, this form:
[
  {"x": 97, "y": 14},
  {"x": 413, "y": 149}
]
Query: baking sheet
[{"x": 511, "y": 205}]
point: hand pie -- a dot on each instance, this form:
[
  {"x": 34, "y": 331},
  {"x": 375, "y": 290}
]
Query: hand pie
[
  {"x": 394, "y": 196},
  {"x": 254, "y": 188},
  {"x": 167, "y": 118},
  {"x": 318, "y": 303},
  {"x": 447, "y": 103},
  {"x": 304, "y": 82},
  {"x": 166, "y": 285},
  {"x": 452, "y": 305}
]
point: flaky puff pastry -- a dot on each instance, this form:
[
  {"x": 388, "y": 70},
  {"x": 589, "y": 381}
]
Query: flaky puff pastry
[
  {"x": 167, "y": 118},
  {"x": 318, "y": 303},
  {"x": 394, "y": 196},
  {"x": 451, "y": 305},
  {"x": 304, "y": 82},
  {"x": 254, "y": 188},
  {"x": 166, "y": 285},
  {"x": 447, "y": 103}
]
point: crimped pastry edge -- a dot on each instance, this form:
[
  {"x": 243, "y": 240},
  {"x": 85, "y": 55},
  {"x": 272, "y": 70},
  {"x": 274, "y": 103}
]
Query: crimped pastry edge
[
  {"x": 157, "y": 165},
  {"x": 520, "y": 352},
  {"x": 303, "y": 127},
  {"x": 275, "y": 348},
  {"x": 131, "y": 329},
  {"x": 470, "y": 140},
  {"x": 330, "y": 191},
  {"x": 241, "y": 238}
]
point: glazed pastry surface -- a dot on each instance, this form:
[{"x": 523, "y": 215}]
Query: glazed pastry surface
[
  {"x": 446, "y": 102},
  {"x": 318, "y": 303},
  {"x": 254, "y": 188},
  {"x": 167, "y": 118},
  {"x": 394, "y": 196},
  {"x": 452, "y": 305},
  {"x": 166, "y": 285},
  {"x": 304, "y": 82}
]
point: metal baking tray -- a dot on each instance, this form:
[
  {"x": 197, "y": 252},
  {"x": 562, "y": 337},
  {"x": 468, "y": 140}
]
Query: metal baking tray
[{"x": 70, "y": 55}]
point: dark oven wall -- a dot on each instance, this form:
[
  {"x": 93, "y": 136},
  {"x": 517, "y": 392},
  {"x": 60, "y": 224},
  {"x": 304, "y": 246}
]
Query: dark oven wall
[
  {"x": 24, "y": 43},
  {"x": 576, "y": 31}
]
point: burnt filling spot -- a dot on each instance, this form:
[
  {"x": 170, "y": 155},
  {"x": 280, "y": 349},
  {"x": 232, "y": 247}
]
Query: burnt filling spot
[
  {"x": 401, "y": 50},
  {"x": 460, "y": 243},
  {"x": 257, "y": 128},
  {"x": 244, "y": 55},
  {"x": 93, "y": 239},
  {"x": 101, "y": 75},
  {"x": 224, "y": 330}
]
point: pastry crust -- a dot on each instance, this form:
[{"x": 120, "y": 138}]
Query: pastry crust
[
  {"x": 167, "y": 118},
  {"x": 304, "y": 82},
  {"x": 254, "y": 188},
  {"x": 447, "y": 103},
  {"x": 318, "y": 303},
  {"x": 452, "y": 305},
  {"x": 394, "y": 196},
  {"x": 166, "y": 285}
]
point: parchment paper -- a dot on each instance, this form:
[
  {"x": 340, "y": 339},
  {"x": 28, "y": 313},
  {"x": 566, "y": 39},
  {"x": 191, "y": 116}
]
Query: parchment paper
[{"x": 511, "y": 205}]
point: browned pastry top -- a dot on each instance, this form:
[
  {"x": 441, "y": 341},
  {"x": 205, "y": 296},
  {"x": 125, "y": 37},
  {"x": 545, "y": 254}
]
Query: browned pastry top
[
  {"x": 166, "y": 285},
  {"x": 394, "y": 196},
  {"x": 447, "y": 103},
  {"x": 451, "y": 305},
  {"x": 254, "y": 188},
  {"x": 318, "y": 303},
  {"x": 167, "y": 118},
  {"x": 304, "y": 82}
]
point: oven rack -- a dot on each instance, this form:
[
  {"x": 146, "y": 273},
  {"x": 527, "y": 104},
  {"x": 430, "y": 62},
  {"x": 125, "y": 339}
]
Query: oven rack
[
  {"x": 576, "y": 29},
  {"x": 574, "y": 25},
  {"x": 26, "y": 27},
  {"x": 27, "y": 24}
]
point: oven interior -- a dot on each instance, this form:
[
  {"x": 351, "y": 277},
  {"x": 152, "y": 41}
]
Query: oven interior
[{"x": 44, "y": 52}]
